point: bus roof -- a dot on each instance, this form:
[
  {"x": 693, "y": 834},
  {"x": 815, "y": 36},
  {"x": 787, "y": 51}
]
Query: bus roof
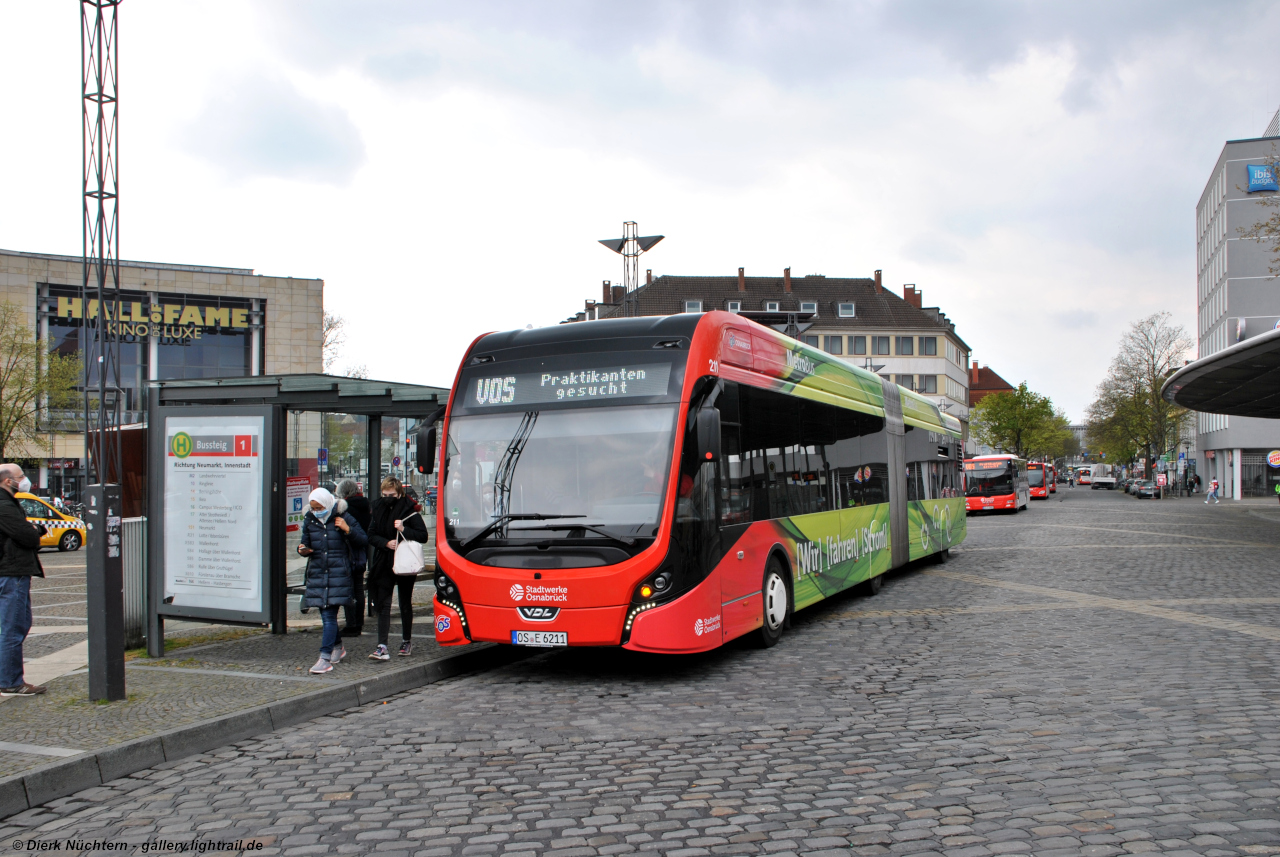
[
  {"x": 814, "y": 374},
  {"x": 798, "y": 368}
]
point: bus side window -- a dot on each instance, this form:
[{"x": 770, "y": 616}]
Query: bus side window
[{"x": 735, "y": 469}]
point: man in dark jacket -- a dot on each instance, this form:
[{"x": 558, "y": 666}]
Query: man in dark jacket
[{"x": 19, "y": 543}]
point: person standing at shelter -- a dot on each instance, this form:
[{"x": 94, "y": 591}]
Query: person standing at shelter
[
  {"x": 329, "y": 537},
  {"x": 394, "y": 519},
  {"x": 19, "y": 544},
  {"x": 358, "y": 508}
]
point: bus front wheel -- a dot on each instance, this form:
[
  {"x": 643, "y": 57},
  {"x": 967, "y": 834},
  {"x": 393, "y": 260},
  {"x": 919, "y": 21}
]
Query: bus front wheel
[{"x": 777, "y": 604}]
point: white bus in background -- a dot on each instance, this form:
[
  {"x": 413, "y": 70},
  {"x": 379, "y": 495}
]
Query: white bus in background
[{"x": 1102, "y": 476}]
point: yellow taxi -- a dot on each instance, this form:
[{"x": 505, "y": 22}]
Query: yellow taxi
[{"x": 63, "y": 531}]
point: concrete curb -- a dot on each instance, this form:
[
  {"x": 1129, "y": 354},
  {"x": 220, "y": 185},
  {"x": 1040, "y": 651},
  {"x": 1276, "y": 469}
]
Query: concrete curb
[{"x": 65, "y": 777}]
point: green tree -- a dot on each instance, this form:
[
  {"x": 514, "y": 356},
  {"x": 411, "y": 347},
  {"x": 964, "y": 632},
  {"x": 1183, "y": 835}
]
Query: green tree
[
  {"x": 1019, "y": 422},
  {"x": 31, "y": 381},
  {"x": 1129, "y": 418}
]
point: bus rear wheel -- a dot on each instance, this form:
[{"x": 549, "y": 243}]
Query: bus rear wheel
[
  {"x": 872, "y": 585},
  {"x": 777, "y": 604}
]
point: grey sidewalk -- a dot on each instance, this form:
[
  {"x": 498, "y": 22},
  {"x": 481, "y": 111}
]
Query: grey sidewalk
[{"x": 201, "y": 697}]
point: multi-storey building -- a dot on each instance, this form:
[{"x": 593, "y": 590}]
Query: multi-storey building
[
  {"x": 1236, "y": 298},
  {"x": 856, "y": 318},
  {"x": 175, "y": 321}
]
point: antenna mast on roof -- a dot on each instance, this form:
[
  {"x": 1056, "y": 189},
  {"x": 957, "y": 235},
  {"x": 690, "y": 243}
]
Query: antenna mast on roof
[{"x": 629, "y": 247}]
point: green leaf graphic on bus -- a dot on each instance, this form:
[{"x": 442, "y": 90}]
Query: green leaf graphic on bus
[
  {"x": 935, "y": 525},
  {"x": 836, "y": 551}
]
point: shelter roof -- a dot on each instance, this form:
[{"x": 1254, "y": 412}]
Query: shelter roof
[
  {"x": 308, "y": 392},
  {"x": 1243, "y": 380}
]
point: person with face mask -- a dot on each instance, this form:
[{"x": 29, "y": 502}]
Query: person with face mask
[
  {"x": 358, "y": 506},
  {"x": 330, "y": 535},
  {"x": 394, "y": 518},
  {"x": 19, "y": 545}
]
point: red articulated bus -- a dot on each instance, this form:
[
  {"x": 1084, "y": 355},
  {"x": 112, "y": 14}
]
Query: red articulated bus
[
  {"x": 667, "y": 484},
  {"x": 996, "y": 483}
]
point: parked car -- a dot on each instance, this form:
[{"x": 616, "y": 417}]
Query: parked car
[{"x": 1146, "y": 488}]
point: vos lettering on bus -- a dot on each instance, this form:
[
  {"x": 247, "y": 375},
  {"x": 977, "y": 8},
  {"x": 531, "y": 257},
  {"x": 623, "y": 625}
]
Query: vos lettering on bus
[{"x": 819, "y": 557}]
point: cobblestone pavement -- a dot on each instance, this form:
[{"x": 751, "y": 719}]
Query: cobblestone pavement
[
  {"x": 1097, "y": 675},
  {"x": 192, "y": 686}
]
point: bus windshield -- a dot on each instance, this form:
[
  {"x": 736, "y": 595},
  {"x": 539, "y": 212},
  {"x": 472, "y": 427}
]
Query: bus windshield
[
  {"x": 1035, "y": 477},
  {"x": 988, "y": 478},
  {"x": 603, "y": 466}
]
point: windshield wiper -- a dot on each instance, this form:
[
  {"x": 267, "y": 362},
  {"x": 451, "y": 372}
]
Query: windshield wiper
[
  {"x": 595, "y": 528},
  {"x": 502, "y": 519}
]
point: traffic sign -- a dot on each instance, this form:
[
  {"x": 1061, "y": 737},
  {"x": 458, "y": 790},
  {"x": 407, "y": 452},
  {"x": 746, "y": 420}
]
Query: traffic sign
[
  {"x": 395, "y": 462},
  {"x": 322, "y": 456}
]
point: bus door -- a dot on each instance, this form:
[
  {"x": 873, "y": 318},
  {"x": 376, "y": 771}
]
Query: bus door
[{"x": 901, "y": 547}]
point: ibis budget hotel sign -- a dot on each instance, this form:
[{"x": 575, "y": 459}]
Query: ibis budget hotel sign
[{"x": 139, "y": 318}]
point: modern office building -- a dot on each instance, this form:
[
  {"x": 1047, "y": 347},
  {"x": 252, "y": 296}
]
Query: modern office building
[
  {"x": 175, "y": 321},
  {"x": 1237, "y": 297},
  {"x": 856, "y": 318}
]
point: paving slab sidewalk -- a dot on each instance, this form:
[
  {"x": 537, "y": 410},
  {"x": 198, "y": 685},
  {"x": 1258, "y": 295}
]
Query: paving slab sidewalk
[{"x": 197, "y": 699}]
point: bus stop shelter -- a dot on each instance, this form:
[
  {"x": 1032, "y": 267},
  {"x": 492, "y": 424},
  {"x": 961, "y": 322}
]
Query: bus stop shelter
[{"x": 218, "y": 490}]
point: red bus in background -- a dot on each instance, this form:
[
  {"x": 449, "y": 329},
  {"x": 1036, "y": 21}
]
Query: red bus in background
[
  {"x": 1039, "y": 479},
  {"x": 669, "y": 483},
  {"x": 1053, "y": 478},
  {"x": 996, "y": 483}
]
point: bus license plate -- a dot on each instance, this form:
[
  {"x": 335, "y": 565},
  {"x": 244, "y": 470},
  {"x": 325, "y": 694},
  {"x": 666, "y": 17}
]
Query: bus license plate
[{"x": 545, "y": 639}]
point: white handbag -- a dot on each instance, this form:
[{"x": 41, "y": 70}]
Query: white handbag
[{"x": 409, "y": 558}]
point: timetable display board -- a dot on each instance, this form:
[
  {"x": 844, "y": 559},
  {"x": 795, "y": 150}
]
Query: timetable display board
[{"x": 215, "y": 472}]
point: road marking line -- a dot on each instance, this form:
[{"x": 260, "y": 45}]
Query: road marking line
[
  {"x": 958, "y": 551},
  {"x": 37, "y": 750},
  {"x": 957, "y": 611},
  {"x": 1039, "y": 605},
  {"x": 1085, "y": 600},
  {"x": 63, "y": 604},
  {"x": 39, "y": 631},
  {"x": 1148, "y": 533}
]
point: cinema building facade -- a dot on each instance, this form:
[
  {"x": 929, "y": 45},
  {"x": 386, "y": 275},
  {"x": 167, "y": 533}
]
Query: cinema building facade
[{"x": 174, "y": 321}]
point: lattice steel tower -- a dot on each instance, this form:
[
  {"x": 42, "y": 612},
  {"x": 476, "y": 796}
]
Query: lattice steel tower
[{"x": 100, "y": 287}]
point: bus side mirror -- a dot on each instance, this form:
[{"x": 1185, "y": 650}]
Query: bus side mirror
[
  {"x": 708, "y": 434},
  {"x": 427, "y": 447}
]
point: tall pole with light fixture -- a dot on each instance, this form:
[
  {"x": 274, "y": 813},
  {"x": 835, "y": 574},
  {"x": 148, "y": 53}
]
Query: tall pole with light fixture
[{"x": 629, "y": 247}]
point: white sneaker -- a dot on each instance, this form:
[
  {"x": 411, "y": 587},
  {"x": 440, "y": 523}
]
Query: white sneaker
[
  {"x": 322, "y": 666},
  {"x": 380, "y": 654},
  {"x": 336, "y": 656}
]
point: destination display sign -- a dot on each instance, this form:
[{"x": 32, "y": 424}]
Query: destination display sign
[
  {"x": 586, "y": 384},
  {"x": 213, "y": 508}
]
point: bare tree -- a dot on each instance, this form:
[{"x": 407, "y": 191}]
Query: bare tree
[
  {"x": 361, "y": 371},
  {"x": 30, "y": 381},
  {"x": 333, "y": 336},
  {"x": 1129, "y": 415}
]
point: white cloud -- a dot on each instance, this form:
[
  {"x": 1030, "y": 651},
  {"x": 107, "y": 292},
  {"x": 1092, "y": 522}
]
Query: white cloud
[{"x": 447, "y": 168}]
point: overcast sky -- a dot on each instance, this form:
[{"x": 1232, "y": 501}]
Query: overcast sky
[{"x": 446, "y": 168}]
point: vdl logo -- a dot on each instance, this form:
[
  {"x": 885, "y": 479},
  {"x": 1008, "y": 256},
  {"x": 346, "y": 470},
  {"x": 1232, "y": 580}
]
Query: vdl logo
[
  {"x": 517, "y": 592},
  {"x": 181, "y": 444},
  {"x": 442, "y": 624}
]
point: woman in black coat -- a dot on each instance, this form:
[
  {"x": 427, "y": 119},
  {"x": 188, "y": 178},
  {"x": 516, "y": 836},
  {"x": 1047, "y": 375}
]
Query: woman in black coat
[
  {"x": 358, "y": 508},
  {"x": 329, "y": 537},
  {"x": 394, "y": 518}
]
